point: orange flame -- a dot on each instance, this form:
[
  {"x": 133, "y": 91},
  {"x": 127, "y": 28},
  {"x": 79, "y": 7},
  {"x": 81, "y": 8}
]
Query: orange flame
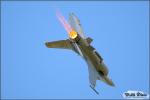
[{"x": 72, "y": 34}]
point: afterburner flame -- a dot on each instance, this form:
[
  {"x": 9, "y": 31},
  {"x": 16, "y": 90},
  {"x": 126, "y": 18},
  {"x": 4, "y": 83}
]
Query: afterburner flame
[{"x": 72, "y": 34}]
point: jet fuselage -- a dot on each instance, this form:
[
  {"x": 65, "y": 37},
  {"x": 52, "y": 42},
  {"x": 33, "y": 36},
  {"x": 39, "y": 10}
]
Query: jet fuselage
[{"x": 89, "y": 53}]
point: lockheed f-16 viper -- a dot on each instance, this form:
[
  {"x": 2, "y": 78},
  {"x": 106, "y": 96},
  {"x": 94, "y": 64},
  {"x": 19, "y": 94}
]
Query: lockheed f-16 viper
[{"x": 81, "y": 44}]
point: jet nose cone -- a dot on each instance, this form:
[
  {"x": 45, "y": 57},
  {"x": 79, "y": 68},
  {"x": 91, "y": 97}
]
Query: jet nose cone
[
  {"x": 108, "y": 81},
  {"x": 112, "y": 84}
]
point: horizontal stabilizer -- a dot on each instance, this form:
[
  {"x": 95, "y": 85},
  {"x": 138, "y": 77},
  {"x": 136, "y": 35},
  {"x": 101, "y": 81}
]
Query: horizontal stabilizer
[
  {"x": 89, "y": 40},
  {"x": 62, "y": 44}
]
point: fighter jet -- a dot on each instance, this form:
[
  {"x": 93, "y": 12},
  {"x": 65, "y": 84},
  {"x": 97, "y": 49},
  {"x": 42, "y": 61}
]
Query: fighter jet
[{"x": 81, "y": 45}]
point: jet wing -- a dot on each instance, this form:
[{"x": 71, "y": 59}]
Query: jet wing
[
  {"x": 92, "y": 76},
  {"x": 63, "y": 44}
]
